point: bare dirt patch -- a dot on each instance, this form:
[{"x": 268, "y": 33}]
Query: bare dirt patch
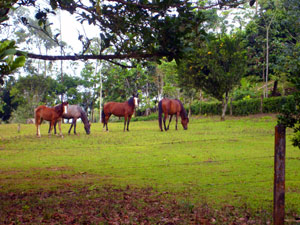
[{"x": 112, "y": 205}]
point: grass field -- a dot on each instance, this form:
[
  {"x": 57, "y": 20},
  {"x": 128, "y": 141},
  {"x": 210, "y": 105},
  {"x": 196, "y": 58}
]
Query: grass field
[{"x": 216, "y": 163}]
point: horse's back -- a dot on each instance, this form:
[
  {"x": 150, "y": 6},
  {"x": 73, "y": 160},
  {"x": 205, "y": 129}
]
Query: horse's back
[
  {"x": 115, "y": 108},
  {"x": 170, "y": 106},
  {"x": 45, "y": 112},
  {"x": 73, "y": 111},
  {"x": 38, "y": 110}
]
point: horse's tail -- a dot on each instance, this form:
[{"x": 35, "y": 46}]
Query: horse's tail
[
  {"x": 36, "y": 117},
  {"x": 103, "y": 116},
  {"x": 160, "y": 111}
]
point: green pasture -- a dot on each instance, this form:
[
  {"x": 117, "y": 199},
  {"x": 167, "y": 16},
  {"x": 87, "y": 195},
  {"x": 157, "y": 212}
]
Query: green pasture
[{"x": 213, "y": 162}]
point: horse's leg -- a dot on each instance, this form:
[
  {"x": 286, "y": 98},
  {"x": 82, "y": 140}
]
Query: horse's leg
[
  {"x": 52, "y": 122},
  {"x": 106, "y": 120},
  {"x": 49, "y": 127},
  {"x": 170, "y": 121},
  {"x": 37, "y": 124},
  {"x": 128, "y": 121},
  {"x": 74, "y": 125},
  {"x": 55, "y": 127},
  {"x": 41, "y": 120},
  {"x": 125, "y": 120},
  {"x": 177, "y": 114},
  {"x": 59, "y": 127},
  {"x": 71, "y": 127},
  {"x": 165, "y": 117}
]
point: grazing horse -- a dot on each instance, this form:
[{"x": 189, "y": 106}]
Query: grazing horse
[
  {"x": 52, "y": 114},
  {"x": 75, "y": 112},
  {"x": 120, "y": 109},
  {"x": 172, "y": 107}
]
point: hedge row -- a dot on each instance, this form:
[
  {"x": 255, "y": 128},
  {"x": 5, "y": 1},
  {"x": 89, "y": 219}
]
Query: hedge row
[{"x": 244, "y": 107}]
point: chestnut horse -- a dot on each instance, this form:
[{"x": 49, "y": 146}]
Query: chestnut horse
[
  {"x": 172, "y": 107},
  {"x": 120, "y": 109},
  {"x": 51, "y": 114}
]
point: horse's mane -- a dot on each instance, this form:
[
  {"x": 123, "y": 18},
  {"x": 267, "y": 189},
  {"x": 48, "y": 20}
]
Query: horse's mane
[
  {"x": 83, "y": 116},
  {"x": 183, "y": 113},
  {"x": 131, "y": 102},
  {"x": 58, "y": 107}
]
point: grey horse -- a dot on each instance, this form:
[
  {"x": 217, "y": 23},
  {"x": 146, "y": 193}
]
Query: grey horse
[{"x": 75, "y": 112}]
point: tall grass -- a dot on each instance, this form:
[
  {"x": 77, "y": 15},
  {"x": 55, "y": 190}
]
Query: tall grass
[{"x": 216, "y": 162}]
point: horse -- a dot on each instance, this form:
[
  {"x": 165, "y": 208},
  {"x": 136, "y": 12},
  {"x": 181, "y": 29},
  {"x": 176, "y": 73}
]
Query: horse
[
  {"x": 52, "y": 114},
  {"x": 172, "y": 107},
  {"x": 120, "y": 109},
  {"x": 75, "y": 112}
]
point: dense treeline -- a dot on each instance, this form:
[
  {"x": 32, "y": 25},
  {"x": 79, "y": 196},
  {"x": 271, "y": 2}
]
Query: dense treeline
[{"x": 198, "y": 54}]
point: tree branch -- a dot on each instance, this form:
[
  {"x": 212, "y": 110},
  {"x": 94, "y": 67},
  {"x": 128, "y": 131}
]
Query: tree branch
[{"x": 87, "y": 57}]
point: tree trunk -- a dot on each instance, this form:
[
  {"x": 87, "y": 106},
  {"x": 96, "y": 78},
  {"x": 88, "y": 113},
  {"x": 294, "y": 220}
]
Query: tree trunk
[
  {"x": 147, "y": 113},
  {"x": 190, "y": 107},
  {"x": 267, "y": 61},
  {"x": 230, "y": 106},
  {"x": 274, "y": 91},
  {"x": 224, "y": 106}
]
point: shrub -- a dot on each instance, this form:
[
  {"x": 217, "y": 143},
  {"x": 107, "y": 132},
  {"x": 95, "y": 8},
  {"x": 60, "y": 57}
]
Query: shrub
[{"x": 244, "y": 107}]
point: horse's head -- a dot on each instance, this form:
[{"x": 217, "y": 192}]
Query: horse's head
[
  {"x": 87, "y": 127},
  {"x": 136, "y": 100},
  {"x": 65, "y": 107},
  {"x": 184, "y": 122}
]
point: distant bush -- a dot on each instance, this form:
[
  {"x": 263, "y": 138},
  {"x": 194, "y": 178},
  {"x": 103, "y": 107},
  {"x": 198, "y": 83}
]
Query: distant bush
[
  {"x": 152, "y": 116},
  {"x": 206, "y": 108},
  {"x": 243, "y": 107}
]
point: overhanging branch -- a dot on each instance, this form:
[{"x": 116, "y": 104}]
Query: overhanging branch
[{"x": 87, "y": 57}]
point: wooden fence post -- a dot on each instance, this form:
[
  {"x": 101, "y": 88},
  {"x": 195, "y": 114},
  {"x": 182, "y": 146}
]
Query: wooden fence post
[
  {"x": 279, "y": 175},
  {"x": 230, "y": 106},
  {"x": 261, "y": 103}
]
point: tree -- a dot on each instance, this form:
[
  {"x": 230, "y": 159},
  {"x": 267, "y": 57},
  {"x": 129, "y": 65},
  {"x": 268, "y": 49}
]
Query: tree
[
  {"x": 7, "y": 105},
  {"x": 8, "y": 61},
  {"x": 30, "y": 91},
  {"x": 216, "y": 67},
  {"x": 290, "y": 116},
  {"x": 134, "y": 29},
  {"x": 168, "y": 75},
  {"x": 265, "y": 35}
]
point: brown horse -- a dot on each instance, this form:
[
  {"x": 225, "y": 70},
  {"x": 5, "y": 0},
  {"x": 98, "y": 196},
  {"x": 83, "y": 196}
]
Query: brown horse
[
  {"x": 172, "y": 107},
  {"x": 52, "y": 114},
  {"x": 120, "y": 109}
]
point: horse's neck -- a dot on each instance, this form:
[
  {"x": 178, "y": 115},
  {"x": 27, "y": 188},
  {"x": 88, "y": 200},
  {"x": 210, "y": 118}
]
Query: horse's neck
[
  {"x": 84, "y": 117},
  {"x": 131, "y": 105},
  {"x": 59, "y": 109},
  {"x": 183, "y": 114}
]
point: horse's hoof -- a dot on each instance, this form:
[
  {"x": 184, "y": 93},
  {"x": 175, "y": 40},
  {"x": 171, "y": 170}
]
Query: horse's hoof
[{"x": 62, "y": 136}]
